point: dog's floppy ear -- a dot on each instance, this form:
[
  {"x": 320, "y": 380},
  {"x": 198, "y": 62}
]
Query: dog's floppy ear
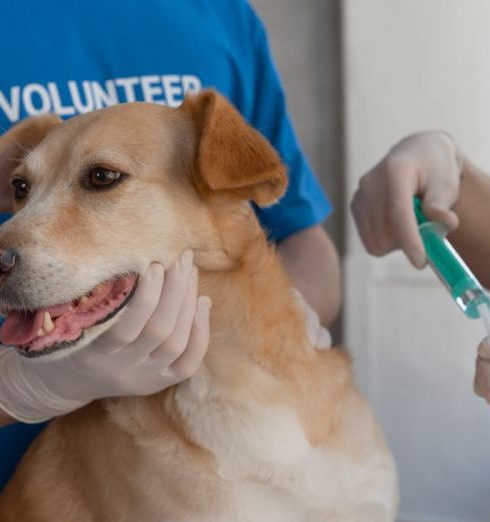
[
  {"x": 231, "y": 156},
  {"x": 14, "y": 145}
]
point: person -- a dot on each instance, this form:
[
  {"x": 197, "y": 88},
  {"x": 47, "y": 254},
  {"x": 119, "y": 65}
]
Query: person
[
  {"x": 453, "y": 191},
  {"x": 73, "y": 57}
]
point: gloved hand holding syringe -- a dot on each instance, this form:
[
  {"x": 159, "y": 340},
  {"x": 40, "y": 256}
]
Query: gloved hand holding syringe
[{"x": 462, "y": 284}]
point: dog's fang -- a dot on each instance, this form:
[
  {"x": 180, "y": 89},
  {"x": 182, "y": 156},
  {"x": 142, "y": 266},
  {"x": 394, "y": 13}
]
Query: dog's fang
[{"x": 48, "y": 324}]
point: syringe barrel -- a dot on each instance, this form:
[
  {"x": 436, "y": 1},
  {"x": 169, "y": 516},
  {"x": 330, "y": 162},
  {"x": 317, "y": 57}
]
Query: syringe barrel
[{"x": 451, "y": 269}]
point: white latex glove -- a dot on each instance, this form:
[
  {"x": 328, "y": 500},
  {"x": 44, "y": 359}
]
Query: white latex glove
[
  {"x": 160, "y": 340},
  {"x": 318, "y": 336},
  {"x": 426, "y": 164},
  {"x": 482, "y": 374}
]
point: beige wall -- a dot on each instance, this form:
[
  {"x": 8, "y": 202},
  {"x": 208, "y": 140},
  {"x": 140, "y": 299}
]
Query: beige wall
[{"x": 304, "y": 37}]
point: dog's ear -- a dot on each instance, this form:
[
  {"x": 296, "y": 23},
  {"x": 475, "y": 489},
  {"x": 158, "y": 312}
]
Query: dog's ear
[
  {"x": 231, "y": 156},
  {"x": 14, "y": 145}
]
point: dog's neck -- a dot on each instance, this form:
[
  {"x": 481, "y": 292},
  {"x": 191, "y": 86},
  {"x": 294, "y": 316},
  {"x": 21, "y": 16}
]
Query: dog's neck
[
  {"x": 258, "y": 350},
  {"x": 253, "y": 298},
  {"x": 254, "y": 314}
]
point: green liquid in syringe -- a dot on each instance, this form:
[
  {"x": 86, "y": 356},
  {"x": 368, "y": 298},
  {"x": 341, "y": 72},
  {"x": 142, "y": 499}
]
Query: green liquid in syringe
[{"x": 448, "y": 265}]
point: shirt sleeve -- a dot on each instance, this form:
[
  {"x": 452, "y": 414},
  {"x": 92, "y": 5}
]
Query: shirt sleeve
[{"x": 305, "y": 203}]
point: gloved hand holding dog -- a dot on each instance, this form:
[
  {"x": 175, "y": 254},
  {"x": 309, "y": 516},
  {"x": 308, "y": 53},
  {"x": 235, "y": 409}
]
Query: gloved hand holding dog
[
  {"x": 318, "y": 335},
  {"x": 161, "y": 340}
]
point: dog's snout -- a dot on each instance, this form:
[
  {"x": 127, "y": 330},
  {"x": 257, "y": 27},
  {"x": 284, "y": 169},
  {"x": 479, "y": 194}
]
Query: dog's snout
[{"x": 8, "y": 258}]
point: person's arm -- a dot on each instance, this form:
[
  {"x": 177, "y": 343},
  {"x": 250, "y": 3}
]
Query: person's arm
[
  {"x": 5, "y": 419},
  {"x": 312, "y": 262},
  {"x": 472, "y": 238}
]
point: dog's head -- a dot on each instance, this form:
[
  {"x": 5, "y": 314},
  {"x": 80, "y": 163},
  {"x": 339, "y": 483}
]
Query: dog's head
[{"x": 99, "y": 197}]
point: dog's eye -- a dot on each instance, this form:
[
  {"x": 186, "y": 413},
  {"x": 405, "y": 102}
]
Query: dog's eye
[
  {"x": 21, "y": 188},
  {"x": 100, "y": 177}
]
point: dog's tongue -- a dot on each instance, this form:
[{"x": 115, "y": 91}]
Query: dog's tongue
[
  {"x": 22, "y": 327},
  {"x": 26, "y": 328}
]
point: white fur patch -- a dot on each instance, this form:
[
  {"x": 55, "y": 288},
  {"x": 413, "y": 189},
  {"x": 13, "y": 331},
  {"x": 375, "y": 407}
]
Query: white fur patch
[{"x": 276, "y": 475}]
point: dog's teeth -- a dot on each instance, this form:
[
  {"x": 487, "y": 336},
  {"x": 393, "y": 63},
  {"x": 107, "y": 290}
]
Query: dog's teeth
[
  {"x": 84, "y": 299},
  {"x": 40, "y": 332},
  {"x": 48, "y": 324}
]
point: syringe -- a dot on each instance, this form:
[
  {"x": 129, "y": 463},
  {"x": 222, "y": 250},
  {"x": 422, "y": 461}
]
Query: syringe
[{"x": 462, "y": 284}]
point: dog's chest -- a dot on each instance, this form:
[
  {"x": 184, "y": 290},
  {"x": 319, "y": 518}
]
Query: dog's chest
[{"x": 271, "y": 470}]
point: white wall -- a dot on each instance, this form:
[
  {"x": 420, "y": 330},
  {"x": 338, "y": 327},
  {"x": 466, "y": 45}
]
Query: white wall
[{"x": 410, "y": 65}]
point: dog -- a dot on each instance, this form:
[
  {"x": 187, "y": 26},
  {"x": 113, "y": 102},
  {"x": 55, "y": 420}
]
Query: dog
[{"x": 268, "y": 429}]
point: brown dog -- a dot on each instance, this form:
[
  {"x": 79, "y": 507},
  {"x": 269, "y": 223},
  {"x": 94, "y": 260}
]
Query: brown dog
[{"x": 269, "y": 429}]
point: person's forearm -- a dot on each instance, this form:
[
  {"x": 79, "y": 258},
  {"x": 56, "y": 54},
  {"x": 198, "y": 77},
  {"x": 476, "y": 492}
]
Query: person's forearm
[
  {"x": 312, "y": 262},
  {"x": 5, "y": 419},
  {"x": 472, "y": 238}
]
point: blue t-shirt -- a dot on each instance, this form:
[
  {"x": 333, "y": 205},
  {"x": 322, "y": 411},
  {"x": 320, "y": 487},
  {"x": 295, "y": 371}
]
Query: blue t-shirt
[{"x": 72, "y": 57}]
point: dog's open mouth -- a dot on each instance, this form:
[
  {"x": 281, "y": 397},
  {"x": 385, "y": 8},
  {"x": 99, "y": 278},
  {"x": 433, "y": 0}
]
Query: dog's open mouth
[{"x": 45, "y": 330}]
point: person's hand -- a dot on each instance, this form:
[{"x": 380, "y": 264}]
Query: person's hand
[
  {"x": 318, "y": 336},
  {"x": 160, "y": 340},
  {"x": 426, "y": 164},
  {"x": 482, "y": 374}
]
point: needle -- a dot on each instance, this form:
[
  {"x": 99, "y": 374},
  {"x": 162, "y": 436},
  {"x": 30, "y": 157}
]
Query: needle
[{"x": 484, "y": 311}]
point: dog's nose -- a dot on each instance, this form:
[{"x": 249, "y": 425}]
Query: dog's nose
[{"x": 8, "y": 257}]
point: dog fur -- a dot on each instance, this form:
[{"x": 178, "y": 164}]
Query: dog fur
[{"x": 269, "y": 429}]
